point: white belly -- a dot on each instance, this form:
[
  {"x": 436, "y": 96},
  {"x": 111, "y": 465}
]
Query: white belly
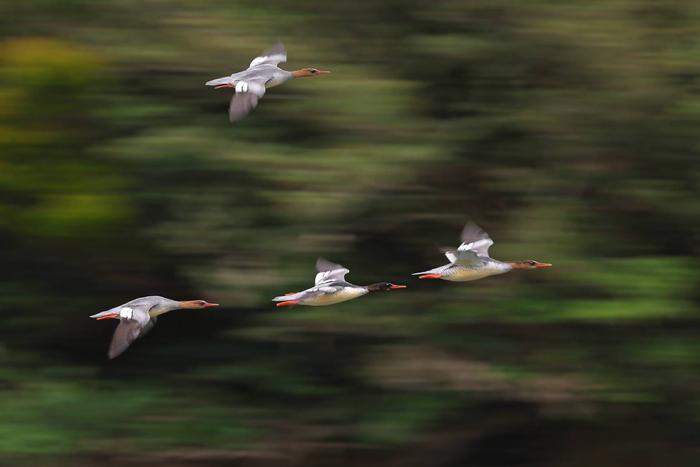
[
  {"x": 341, "y": 296},
  {"x": 465, "y": 274}
]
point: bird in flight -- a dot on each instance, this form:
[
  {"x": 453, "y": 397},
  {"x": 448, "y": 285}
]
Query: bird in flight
[
  {"x": 138, "y": 316},
  {"x": 471, "y": 260},
  {"x": 331, "y": 287},
  {"x": 250, "y": 84}
]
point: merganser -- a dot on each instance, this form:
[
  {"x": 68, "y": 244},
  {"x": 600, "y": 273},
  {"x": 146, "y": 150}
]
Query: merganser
[
  {"x": 471, "y": 260},
  {"x": 262, "y": 73},
  {"x": 138, "y": 316},
  {"x": 331, "y": 287}
]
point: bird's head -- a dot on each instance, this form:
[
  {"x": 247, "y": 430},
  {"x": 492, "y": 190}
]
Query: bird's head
[
  {"x": 197, "y": 304},
  {"x": 382, "y": 286},
  {"x": 303, "y": 72},
  {"x": 530, "y": 264}
]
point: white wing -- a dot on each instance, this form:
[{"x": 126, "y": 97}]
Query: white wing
[
  {"x": 451, "y": 255},
  {"x": 475, "y": 239},
  {"x": 329, "y": 272},
  {"x": 273, "y": 56},
  {"x": 475, "y": 244},
  {"x": 243, "y": 102},
  {"x": 481, "y": 247},
  {"x": 463, "y": 257}
]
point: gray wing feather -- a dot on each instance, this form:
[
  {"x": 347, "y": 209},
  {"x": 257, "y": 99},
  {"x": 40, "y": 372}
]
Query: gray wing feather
[
  {"x": 127, "y": 332},
  {"x": 475, "y": 239},
  {"x": 323, "y": 265},
  {"x": 149, "y": 325},
  {"x": 273, "y": 56},
  {"x": 328, "y": 271},
  {"x": 243, "y": 102},
  {"x": 463, "y": 257},
  {"x": 472, "y": 232}
]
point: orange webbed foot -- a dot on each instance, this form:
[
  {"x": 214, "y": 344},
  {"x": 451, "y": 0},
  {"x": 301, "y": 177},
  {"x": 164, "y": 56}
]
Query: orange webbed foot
[
  {"x": 430, "y": 276},
  {"x": 112, "y": 316}
]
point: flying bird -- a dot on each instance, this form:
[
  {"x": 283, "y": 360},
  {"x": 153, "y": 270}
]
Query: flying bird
[
  {"x": 138, "y": 316},
  {"x": 471, "y": 260},
  {"x": 331, "y": 287},
  {"x": 263, "y": 73}
]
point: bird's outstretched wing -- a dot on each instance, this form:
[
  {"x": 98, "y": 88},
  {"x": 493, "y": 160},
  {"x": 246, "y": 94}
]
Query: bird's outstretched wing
[
  {"x": 127, "y": 332},
  {"x": 272, "y": 56},
  {"x": 134, "y": 323},
  {"x": 244, "y": 101},
  {"x": 329, "y": 272},
  {"x": 462, "y": 257},
  {"x": 475, "y": 244},
  {"x": 475, "y": 239}
]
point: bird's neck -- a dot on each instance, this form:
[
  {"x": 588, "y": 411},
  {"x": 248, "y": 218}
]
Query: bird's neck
[
  {"x": 157, "y": 311},
  {"x": 164, "y": 307}
]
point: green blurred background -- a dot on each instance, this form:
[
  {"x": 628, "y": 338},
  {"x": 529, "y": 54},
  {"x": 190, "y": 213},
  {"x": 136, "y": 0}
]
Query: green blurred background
[{"x": 568, "y": 130}]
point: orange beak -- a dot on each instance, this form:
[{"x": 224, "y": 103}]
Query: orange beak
[
  {"x": 221, "y": 86},
  {"x": 210, "y": 305},
  {"x": 543, "y": 265},
  {"x": 323, "y": 72},
  {"x": 288, "y": 303},
  {"x": 397, "y": 286},
  {"x": 430, "y": 276}
]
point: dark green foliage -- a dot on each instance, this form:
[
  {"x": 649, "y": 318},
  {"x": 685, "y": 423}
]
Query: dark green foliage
[{"x": 568, "y": 130}]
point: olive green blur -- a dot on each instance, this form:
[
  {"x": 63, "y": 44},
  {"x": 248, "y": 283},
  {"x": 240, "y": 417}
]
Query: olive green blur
[{"x": 569, "y": 130}]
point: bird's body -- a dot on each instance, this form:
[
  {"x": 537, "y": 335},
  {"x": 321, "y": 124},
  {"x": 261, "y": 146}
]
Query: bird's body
[
  {"x": 138, "y": 316},
  {"x": 471, "y": 260},
  {"x": 263, "y": 73},
  {"x": 483, "y": 267},
  {"x": 270, "y": 75},
  {"x": 331, "y": 288},
  {"x": 328, "y": 294}
]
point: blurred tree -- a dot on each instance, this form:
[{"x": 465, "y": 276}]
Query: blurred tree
[{"x": 567, "y": 129}]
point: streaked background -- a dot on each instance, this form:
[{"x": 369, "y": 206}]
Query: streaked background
[{"x": 568, "y": 130}]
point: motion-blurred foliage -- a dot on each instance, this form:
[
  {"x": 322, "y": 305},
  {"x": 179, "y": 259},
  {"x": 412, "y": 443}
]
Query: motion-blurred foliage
[{"x": 567, "y": 129}]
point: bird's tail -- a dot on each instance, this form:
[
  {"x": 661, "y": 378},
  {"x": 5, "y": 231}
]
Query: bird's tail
[
  {"x": 219, "y": 81},
  {"x": 435, "y": 273},
  {"x": 291, "y": 296},
  {"x": 430, "y": 271},
  {"x": 105, "y": 314}
]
